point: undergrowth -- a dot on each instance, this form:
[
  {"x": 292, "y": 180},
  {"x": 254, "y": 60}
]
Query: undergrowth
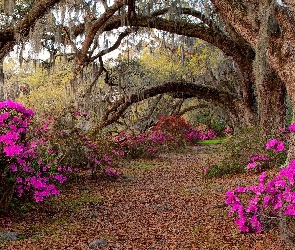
[{"x": 236, "y": 152}]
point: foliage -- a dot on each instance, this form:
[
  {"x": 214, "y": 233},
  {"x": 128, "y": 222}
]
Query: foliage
[
  {"x": 27, "y": 163},
  {"x": 274, "y": 199},
  {"x": 46, "y": 88},
  {"x": 169, "y": 133},
  {"x": 213, "y": 141},
  {"x": 176, "y": 127},
  {"x": 38, "y": 155},
  {"x": 64, "y": 132},
  {"x": 142, "y": 145},
  {"x": 241, "y": 149},
  {"x": 164, "y": 64},
  {"x": 201, "y": 132}
]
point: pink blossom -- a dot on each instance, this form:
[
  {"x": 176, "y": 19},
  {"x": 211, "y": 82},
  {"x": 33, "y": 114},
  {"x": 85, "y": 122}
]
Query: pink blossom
[
  {"x": 241, "y": 222},
  {"x": 256, "y": 225},
  {"x": 13, "y": 168},
  {"x": 13, "y": 150},
  {"x": 271, "y": 143},
  {"x": 266, "y": 200},
  {"x": 240, "y": 189},
  {"x": 19, "y": 180},
  {"x": 292, "y": 128},
  {"x": 290, "y": 210},
  {"x": 61, "y": 178},
  {"x": 252, "y": 165},
  {"x": 280, "y": 147}
]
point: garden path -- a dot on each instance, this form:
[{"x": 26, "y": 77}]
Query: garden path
[{"x": 165, "y": 203}]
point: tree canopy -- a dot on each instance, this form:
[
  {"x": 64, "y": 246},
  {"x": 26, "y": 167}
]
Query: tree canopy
[{"x": 257, "y": 36}]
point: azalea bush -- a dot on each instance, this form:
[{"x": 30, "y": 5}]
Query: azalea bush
[
  {"x": 146, "y": 145},
  {"x": 169, "y": 133},
  {"x": 72, "y": 145},
  {"x": 38, "y": 154},
  {"x": 254, "y": 206},
  {"x": 27, "y": 168},
  {"x": 246, "y": 151},
  {"x": 176, "y": 127},
  {"x": 182, "y": 132},
  {"x": 201, "y": 132},
  {"x": 275, "y": 198}
]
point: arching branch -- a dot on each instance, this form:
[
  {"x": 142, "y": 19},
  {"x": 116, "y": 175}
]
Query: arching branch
[
  {"x": 22, "y": 28},
  {"x": 210, "y": 94}
]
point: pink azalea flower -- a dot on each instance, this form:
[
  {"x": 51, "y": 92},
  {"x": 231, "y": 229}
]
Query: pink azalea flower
[
  {"x": 292, "y": 127},
  {"x": 13, "y": 168},
  {"x": 290, "y": 210},
  {"x": 13, "y": 150}
]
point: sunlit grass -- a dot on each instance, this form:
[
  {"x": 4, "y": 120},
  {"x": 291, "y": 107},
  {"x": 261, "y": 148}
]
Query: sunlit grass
[{"x": 213, "y": 141}]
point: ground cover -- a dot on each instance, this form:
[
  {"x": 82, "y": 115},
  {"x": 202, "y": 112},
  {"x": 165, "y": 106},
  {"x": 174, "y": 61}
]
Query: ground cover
[
  {"x": 164, "y": 203},
  {"x": 213, "y": 141}
]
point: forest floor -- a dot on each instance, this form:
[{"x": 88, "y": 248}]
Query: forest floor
[{"x": 164, "y": 203}]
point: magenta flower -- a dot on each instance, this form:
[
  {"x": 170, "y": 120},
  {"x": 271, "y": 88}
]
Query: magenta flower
[
  {"x": 13, "y": 150},
  {"x": 280, "y": 147},
  {"x": 13, "y": 168},
  {"x": 19, "y": 180},
  {"x": 290, "y": 210},
  {"x": 256, "y": 225},
  {"x": 241, "y": 222},
  {"x": 271, "y": 143},
  {"x": 38, "y": 198},
  {"x": 241, "y": 189},
  {"x": 252, "y": 165},
  {"x": 61, "y": 178},
  {"x": 292, "y": 128},
  {"x": 230, "y": 195}
]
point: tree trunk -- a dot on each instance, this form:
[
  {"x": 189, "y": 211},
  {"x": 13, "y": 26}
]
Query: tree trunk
[
  {"x": 287, "y": 72},
  {"x": 1, "y": 80},
  {"x": 272, "y": 104}
]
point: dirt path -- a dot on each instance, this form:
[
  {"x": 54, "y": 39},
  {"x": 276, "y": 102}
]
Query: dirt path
[{"x": 160, "y": 204}]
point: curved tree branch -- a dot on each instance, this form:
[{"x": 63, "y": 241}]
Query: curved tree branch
[
  {"x": 22, "y": 28},
  {"x": 210, "y": 94}
]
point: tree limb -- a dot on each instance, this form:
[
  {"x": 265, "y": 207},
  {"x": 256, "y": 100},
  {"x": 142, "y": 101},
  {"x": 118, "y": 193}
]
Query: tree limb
[
  {"x": 213, "y": 95},
  {"x": 22, "y": 28}
]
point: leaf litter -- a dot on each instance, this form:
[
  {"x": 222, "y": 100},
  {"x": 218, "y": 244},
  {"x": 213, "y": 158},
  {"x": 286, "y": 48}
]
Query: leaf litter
[{"x": 165, "y": 203}]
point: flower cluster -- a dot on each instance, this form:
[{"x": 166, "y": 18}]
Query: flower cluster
[
  {"x": 273, "y": 198},
  {"x": 199, "y": 133},
  {"x": 276, "y": 145},
  {"x": 77, "y": 150},
  {"x": 169, "y": 133},
  {"x": 112, "y": 173},
  {"x": 256, "y": 162},
  {"x": 24, "y": 164},
  {"x": 142, "y": 145}
]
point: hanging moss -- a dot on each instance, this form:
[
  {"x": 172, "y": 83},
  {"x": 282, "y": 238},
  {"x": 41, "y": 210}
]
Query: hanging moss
[{"x": 8, "y": 6}]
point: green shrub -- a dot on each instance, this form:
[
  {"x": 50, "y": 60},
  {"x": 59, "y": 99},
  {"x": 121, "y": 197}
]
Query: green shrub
[{"x": 238, "y": 150}]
